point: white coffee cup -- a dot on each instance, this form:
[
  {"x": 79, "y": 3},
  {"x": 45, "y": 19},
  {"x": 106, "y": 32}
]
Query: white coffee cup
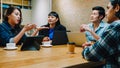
[
  {"x": 46, "y": 43},
  {"x": 10, "y": 45}
]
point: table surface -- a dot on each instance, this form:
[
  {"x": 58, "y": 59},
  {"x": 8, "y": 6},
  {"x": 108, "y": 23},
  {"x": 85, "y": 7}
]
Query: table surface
[{"x": 52, "y": 57}]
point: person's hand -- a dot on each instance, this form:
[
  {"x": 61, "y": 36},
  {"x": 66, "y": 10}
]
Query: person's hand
[
  {"x": 86, "y": 44},
  {"x": 46, "y": 39},
  {"x": 84, "y": 28},
  {"x": 40, "y": 28},
  {"x": 29, "y": 27}
]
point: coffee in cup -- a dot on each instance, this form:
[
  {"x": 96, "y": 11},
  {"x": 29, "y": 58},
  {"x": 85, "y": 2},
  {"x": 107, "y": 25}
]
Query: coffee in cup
[{"x": 71, "y": 47}]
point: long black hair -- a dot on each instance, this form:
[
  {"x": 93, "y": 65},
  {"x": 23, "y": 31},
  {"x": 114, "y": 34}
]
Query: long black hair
[
  {"x": 9, "y": 11},
  {"x": 114, "y": 3},
  {"x": 53, "y": 13}
]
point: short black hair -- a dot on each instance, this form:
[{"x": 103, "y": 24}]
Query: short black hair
[
  {"x": 100, "y": 9},
  {"x": 114, "y": 3}
]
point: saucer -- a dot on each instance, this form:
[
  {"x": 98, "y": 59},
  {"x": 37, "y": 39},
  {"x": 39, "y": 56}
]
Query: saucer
[
  {"x": 11, "y": 48},
  {"x": 46, "y": 45}
]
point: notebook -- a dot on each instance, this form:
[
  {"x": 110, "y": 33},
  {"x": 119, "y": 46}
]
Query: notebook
[
  {"x": 59, "y": 38},
  {"x": 77, "y": 37},
  {"x": 32, "y": 43}
]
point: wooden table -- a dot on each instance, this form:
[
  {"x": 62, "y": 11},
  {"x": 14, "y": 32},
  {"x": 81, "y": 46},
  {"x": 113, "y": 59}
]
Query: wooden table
[{"x": 53, "y": 57}]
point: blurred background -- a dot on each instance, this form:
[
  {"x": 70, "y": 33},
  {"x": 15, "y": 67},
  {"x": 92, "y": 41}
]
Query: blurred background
[{"x": 72, "y": 12}]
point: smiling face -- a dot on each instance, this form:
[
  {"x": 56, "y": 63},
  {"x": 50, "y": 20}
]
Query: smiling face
[
  {"x": 14, "y": 17},
  {"x": 110, "y": 13},
  {"x": 52, "y": 20},
  {"x": 95, "y": 17}
]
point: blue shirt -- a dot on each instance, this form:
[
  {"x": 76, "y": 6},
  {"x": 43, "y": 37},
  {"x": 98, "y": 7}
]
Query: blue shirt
[
  {"x": 102, "y": 26},
  {"x": 51, "y": 31},
  {"x": 7, "y": 34},
  {"x": 106, "y": 48}
]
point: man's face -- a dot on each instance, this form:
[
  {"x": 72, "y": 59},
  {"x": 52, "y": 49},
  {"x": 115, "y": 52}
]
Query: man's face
[
  {"x": 95, "y": 17},
  {"x": 110, "y": 13}
]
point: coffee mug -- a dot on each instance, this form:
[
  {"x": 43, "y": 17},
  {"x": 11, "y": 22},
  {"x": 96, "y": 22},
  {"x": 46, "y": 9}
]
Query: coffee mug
[
  {"x": 10, "y": 45},
  {"x": 46, "y": 43}
]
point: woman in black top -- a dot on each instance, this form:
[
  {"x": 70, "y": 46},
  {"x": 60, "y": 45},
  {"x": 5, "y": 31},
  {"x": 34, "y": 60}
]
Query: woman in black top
[{"x": 53, "y": 24}]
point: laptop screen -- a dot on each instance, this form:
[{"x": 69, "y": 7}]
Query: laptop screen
[
  {"x": 59, "y": 38},
  {"x": 77, "y": 37}
]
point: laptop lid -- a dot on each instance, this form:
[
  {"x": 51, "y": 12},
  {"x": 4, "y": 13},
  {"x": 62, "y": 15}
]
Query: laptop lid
[
  {"x": 77, "y": 37},
  {"x": 32, "y": 43},
  {"x": 59, "y": 38}
]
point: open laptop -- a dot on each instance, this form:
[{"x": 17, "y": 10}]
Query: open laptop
[
  {"x": 77, "y": 37},
  {"x": 59, "y": 38},
  {"x": 32, "y": 43}
]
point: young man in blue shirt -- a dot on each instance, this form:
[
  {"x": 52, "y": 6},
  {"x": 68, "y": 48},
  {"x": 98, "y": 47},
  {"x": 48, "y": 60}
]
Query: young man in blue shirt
[{"x": 95, "y": 29}]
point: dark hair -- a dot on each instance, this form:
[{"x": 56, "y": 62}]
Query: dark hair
[
  {"x": 100, "y": 9},
  {"x": 9, "y": 11},
  {"x": 52, "y": 13},
  {"x": 114, "y": 3}
]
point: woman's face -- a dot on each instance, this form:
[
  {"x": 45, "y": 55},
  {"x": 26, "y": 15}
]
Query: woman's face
[
  {"x": 14, "y": 17},
  {"x": 110, "y": 13},
  {"x": 52, "y": 20}
]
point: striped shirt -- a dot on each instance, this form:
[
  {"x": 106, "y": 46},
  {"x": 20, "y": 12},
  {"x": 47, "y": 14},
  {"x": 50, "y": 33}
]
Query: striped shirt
[{"x": 106, "y": 48}]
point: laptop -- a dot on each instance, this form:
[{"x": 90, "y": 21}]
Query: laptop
[
  {"x": 77, "y": 37},
  {"x": 59, "y": 38},
  {"x": 32, "y": 43}
]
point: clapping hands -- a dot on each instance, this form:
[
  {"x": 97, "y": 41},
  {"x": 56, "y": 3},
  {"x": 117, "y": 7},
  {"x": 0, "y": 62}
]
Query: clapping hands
[{"x": 84, "y": 28}]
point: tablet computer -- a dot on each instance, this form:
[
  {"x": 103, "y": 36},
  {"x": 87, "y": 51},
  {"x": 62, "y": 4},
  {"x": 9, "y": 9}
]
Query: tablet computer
[{"x": 32, "y": 43}]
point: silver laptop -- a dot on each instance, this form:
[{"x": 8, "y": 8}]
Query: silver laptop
[{"x": 77, "y": 37}]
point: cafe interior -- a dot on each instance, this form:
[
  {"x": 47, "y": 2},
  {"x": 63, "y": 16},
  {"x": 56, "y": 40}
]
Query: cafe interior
[{"x": 72, "y": 14}]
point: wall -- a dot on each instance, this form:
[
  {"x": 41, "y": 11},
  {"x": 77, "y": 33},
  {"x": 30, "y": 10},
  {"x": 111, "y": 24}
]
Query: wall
[
  {"x": 27, "y": 16},
  {"x": 75, "y": 12},
  {"x": 40, "y": 10},
  {"x": 25, "y": 6}
]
